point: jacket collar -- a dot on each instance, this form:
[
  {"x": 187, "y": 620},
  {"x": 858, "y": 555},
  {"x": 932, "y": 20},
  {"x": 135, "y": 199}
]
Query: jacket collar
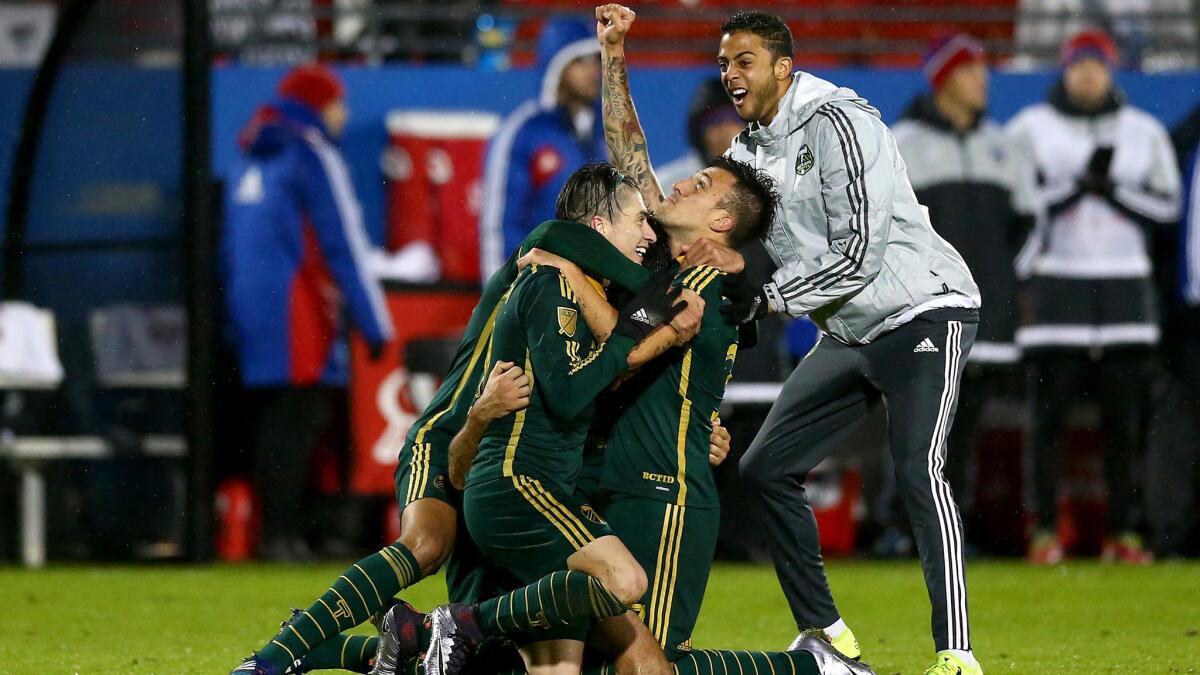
[
  {"x": 923, "y": 109},
  {"x": 804, "y": 96},
  {"x": 1058, "y": 98}
]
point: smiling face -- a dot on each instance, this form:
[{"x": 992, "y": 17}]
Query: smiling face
[
  {"x": 753, "y": 78},
  {"x": 693, "y": 209},
  {"x": 628, "y": 229}
]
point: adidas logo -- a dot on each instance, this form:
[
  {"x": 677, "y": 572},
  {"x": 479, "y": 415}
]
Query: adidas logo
[
  {"x": 926, "y": 346},
  {"x": 642, "y": 316}
]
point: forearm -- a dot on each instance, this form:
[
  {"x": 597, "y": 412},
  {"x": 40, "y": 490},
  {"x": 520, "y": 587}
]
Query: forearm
[
  {"x": 655, "y": 344},
  {"x": 463, "y": 449},
  {"x": 622, "y": 131},
  {"x": 600, "y": 316}
]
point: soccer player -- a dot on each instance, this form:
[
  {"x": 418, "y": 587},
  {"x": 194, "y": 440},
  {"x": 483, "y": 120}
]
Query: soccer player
[
  {"x": 429, "y": 516},
  {"x": 520, "y": 505},
  {"x": 896, "y": 304}
]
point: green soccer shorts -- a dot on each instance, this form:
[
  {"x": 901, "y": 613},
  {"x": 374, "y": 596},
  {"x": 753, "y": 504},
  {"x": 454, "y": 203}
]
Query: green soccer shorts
[
  {"x": 424, "y": 471},
  {"x": 675, "y": 545},
  {"x": 529, "y": 527}
]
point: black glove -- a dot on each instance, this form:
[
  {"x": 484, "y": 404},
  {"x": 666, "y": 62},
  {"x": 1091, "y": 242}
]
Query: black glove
[
  {"x": 652, "y": 306},
  {"x": 747, "y": 302},
  {"x": 1096, "y": 178}
]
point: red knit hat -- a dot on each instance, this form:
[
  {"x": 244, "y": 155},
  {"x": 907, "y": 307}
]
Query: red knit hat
[
  {"x": 1094, "y": 44},
  {"x": 314, "y": 85},
  {"x": 947, "y": 53}
]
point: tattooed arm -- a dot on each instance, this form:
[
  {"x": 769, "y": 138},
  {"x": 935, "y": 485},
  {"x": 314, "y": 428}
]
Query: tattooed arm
[{"x": 622, "y": 130}]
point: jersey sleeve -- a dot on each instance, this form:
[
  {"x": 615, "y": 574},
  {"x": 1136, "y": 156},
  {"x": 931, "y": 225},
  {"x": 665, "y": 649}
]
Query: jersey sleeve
[
  {"x": 858, "y": 185},
  {"x": 568, "y": 371}
]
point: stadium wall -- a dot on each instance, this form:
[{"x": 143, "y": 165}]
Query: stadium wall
[{"x": 662, "y": 95}]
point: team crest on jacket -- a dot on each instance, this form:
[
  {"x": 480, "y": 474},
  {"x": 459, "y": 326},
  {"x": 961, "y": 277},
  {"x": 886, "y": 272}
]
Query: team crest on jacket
[
  {"x": 804, "y": 161},
  {"x": 568, "y": 320}
]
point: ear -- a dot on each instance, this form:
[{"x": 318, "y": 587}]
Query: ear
[
  {"x": 722, "y": 225},
  {"x": 783, "y": 68},
  {"x": 598, "y": 224}
]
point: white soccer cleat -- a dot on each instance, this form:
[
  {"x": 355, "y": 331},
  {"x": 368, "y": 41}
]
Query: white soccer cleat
[{"x": 829, "y": 660}]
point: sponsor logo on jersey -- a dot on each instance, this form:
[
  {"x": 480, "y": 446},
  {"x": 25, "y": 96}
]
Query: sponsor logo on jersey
[
  {"x": 804, "y": 161},
  {"x": 658, "y": 477},
  {"x": 568, "y": 321}
]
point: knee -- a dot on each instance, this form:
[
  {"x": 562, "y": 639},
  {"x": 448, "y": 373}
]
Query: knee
[
  {"x": 430, "y": 549},
  {"x": 628, "y": 583},
  {"x": 760, "y": 472}
]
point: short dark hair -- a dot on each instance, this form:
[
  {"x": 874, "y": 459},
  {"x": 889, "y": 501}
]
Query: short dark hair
[
  {"x": 590, "y": 191},
  {"x": 775, "y": 34},
  {"x": 752, "y": 202}
]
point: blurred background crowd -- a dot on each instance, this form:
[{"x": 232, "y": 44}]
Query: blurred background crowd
[{"x": 239, "y": 243}]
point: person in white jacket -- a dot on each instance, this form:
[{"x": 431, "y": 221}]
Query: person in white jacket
[{"x": 1106, "y": 175}]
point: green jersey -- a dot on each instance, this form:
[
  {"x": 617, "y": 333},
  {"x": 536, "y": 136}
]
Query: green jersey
[
  {"x": 428, "y": 440},
  {"x": 658, "y": 444},
  {"x": 541, "y": 328}
]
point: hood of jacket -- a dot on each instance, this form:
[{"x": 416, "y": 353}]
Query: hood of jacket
[
  {"x": 562, "y": 40},
  {"x": 274, "y": 125},
  {"x": 806, "y": 94}
]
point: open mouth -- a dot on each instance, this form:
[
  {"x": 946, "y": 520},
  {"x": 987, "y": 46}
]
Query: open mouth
[
  {"x": 738, "y": 94},
  {"x": 640, "y": 251}
]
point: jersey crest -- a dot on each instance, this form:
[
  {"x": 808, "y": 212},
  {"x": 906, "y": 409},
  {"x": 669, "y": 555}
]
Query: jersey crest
[{"x": 568, "y": 321}]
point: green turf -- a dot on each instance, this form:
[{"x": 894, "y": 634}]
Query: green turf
[{"x": 1081, "y": 618}]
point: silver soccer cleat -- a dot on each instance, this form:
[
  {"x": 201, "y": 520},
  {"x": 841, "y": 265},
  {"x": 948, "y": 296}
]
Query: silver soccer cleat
[{"x": 829, "y": 660}]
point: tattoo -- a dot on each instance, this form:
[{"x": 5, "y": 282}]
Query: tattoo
[{"x": 623, "y": 132}]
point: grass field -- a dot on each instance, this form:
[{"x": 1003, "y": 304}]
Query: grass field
[{"x": 1082, "y": 618}]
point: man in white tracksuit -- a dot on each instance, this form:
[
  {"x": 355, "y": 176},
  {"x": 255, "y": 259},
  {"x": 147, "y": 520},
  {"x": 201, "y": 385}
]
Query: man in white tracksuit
[{"x": 896, "y": 304}]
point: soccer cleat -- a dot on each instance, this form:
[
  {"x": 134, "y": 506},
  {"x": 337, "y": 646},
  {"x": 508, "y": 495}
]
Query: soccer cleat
[
  {"x": 455, "y": 635},
  {"x": 252, "y": 665},
  {"x": 399, "y": 637},
  {"x": 829, "y": 660},
  {"x": 1126, "y": 549},
  {"x": 845, "y": 643},
  {"x": 949, "y": 664},
  {"x": 1045, "y": 549}
]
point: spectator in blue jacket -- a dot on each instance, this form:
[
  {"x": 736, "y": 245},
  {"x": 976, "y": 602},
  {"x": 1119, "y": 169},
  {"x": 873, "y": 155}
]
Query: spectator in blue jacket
[
  {"x": 543, "y": 140},
  {"x": 294, "y": 263}
]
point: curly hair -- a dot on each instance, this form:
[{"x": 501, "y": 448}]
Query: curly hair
[
  {"x": 752, "y": 202},
  {"x": 775, "y": 34}
]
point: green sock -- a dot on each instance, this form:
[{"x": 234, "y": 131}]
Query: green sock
[
  {"x": 736, "y": 662},
  {"x": 554, "y": 600},
  {"x": 348, "y": 652},
  {"x": 353, "y": 598}
]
